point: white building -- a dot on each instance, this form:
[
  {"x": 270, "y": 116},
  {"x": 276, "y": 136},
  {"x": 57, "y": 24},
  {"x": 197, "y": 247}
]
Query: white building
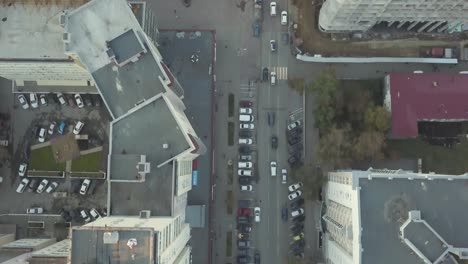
[
  {"x": 387, "y": 217},
  {"x": 361, "y": 15}
]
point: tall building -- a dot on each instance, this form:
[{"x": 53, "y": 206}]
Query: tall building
[
  {"x": 361, "y": 15},
  {"x": 388, "y": 216}
]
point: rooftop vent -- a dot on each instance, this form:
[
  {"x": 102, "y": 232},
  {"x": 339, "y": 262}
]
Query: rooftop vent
[
  {"x": 66, "y": 37},
  {"x": 63, "y": 19},
  {"x": 110, "y": 237},
  {"x": 165, "y": 146},
  {"x": 435, "y": 83},
  {"x": 145, "y": 214}
]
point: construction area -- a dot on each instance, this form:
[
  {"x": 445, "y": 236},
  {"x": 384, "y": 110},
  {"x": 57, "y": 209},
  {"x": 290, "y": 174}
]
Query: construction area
[{"x": 383, "y": 40}]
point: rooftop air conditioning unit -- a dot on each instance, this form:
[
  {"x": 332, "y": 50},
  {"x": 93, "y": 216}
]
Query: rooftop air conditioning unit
[
  {"x": 145, "y": 214},
  {"x": 66, "y": 37},
  {"x": 165, "y": 146},
  {"x": 110, "y": 237}
]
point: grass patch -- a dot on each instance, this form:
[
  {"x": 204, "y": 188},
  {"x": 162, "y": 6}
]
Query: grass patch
[
  {"x": 229, "y": 202},
  {"x": 88, "y": 163},
  {"x": 230, "y": 133},
  {"x": 230, "y": 173},
  {"x": 434, "y": 158},
  {"x": 297, "y": 84},
  {"x": 229, "y": 244},
  {"x": 43, "y": 159},
  {"x": 231, "y": 105}
]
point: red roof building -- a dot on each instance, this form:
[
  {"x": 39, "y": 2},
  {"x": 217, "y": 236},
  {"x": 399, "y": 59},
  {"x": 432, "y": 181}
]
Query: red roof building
[{"x": 435, "y": 97}]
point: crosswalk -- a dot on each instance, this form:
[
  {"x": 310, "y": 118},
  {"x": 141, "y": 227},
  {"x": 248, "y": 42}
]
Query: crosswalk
[
  {"x": 281, "y": 72},
  {"x": 248, "y": 90}
]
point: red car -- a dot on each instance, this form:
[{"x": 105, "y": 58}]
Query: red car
[
  {"x": 243, "y": 211},
  {"x": 194, "y": 165},
  {"x": 245, "y": 103}
]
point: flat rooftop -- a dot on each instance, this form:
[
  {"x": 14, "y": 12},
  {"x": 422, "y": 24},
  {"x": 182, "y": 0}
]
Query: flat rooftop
[
  {"x": 425, "y": 240},
  {"x": 30, "y": 31},
  {"x": 384, "y": 208},
  {"x": 426, "y": 97},
  {"x": 89, "y": 247}
]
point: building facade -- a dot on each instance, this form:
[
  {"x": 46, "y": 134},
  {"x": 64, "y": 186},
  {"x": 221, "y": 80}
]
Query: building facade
[{"x": 362, "y": 15}]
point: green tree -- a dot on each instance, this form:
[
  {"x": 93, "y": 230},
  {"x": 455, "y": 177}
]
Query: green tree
[
  {"x": 312, "y": 179},
  {"x": 369, "y": 145},
  {"x": 377, "y": 118},
  {"x": 335, "y": 147}
]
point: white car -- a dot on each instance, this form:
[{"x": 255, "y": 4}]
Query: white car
[
  {"x": 24, "y": 103},
  {"x": 294, "y": 195},
  {"x": 246, "y": 188},
  {"x": 297, "y": 212},
  {"x": 94, "y": 213},
  {"x": 244, "y": 172},
  {"x": 247, "y": 141},
  {"x": 78, "y": 127},
  {"x": 61, "y": 99},
  {"x": 273, "y": 78},
  {"x": 79, "y": 101},
  {"x": 273, "y": 8},
  {"x": 85, "y": 186},
  {"x": 35, "y": 210},
  {"x": 52, "y": 128},
  {"x": 52, "y": 187},
  {"x": 284, "y": 176},
  {"x": 244, "y": 165},
  {"x": 294, "y": 125},
  {"x": 273, "y": 168},
  {"x": 243, "y": 110},
  {"x": 22, "y": 169},
  {"x": 24, "y": 182},
  {"x": 284, "y": 18},
  {"x": 42, "y": 134},
  {"x": 43, "y": 99},
  {"x": 247, "y": 126},
  {"x": 257, "y": 214},
  {"x": 295, "y": 186},
  {"x": 85, "y": 216},
  {"x": 33, "y": 100},
  {"x": 42, "y": 186}
]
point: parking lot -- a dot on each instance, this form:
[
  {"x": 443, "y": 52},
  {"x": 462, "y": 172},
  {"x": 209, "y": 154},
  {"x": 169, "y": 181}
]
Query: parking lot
[{"x": 45, "y": 160}]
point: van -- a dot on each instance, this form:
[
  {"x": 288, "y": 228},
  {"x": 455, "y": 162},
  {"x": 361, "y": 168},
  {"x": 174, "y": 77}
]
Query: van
[
  {"x": 246, "y": 118},
  {"x": 273, "y": 78},
  {"x": 273, "y": 8},
  {"x": 244, "y": 165},
  {"x": 273, "y": 168}
]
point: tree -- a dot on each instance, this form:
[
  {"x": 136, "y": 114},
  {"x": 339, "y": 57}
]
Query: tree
[
  {"x": 312, "y": 179},
  {"x": 377, "y": 118},
  {"x": 297, "y": 84},
  {"x": 369, "y": 145},
  {"x": 335, "y": 147}
]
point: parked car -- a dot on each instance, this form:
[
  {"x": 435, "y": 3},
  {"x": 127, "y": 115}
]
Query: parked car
[
  {"x": 273, "y": 9},
  {"x": 245, "y": 103},
  {"x": 61, "y": 99},
  {"x": 245, "y": 110},
  {"x": 265, "y": 74},
  {"x": 241, "y": 172},
  {"x": 284, "y": 214},
  {"x": 52, "y": 187},
  {"x": 246, "y": 188},
  {"x": 85, "y": 186},
  {"x": 297, "y": 204},
  {"x": 246, "y": 228},
  {"x": 243, "y": 252},
  {"x": 61, "y": 128},
  {"x": 246, "y": 126},
  {"x": 293, "y": 140},
  {"x": 244, "y": 180},
  {"x": 294, "y": 125},
  {"x": 23, "y": 102},
  {"x": 43, "y": 99},
  {"x": 297, "y": 228},
  {"x": 243, "y": 259},
  {"x": 33, "y": 100},
  {"x": 285, "y": 38},
  {"x": 78, "y": 127},
  {"x": 244, "y": 164},
  {"x": 294, "y": 195},
  {"x": 85, "y": 216},
  {"x": 297, "y": 212},
  {"x": 295, "y": 186},
  {"x": 24, "y": 182},
  {"x": 247, "y": 141},
  {"x": 95, "y": 213},
  {"x": 88, "y": 100},
  {"x": 257, "y": 256},
  {"x": 284, "y": 18},
  {"x": 274, "y": 142},
  {"x": 32, "y": 186},
  {"x": 298, "y": 237},
  {"x": 299, "y": 219},
  {"x": 295, "y": 149},
  {"x": 243, "y": 211},
  {"x": 245, "y": 133},
  {"x": 22, "y": 169},
  {"x": 284, "y": 176},
  {"x": 52, "y": 126},
  {"x": 257, "y": 214},
  {"x": 293, "y": 161},
  {"x": 245, "y": 150},
  {"x": 65, "y": 215},
  {"x": 243, "y": 243},
  {"x": 42, "y": 186},
  {"x": 42, "y": 135},
  {"x": 79, "y": 101},
  {"x": 35, "y": 210},
  {"x": 245, "y": 157},
  {"x": 71, "y": 100},
  {"x": 271, "y": 118}
]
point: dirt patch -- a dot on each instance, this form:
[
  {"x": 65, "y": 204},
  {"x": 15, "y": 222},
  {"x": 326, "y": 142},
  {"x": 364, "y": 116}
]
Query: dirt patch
[{"x": 65, "y": 148}]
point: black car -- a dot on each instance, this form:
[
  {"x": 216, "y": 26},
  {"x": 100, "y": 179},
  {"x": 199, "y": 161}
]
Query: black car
[
  {"x": 65, "y": 215},
  {"x": 97, "y": 100},
  {"x": 246, "y": 228},
  {"x": 292, "y": 160},
  {"x": 245, "y": 134},
  {"x": 257, "y": 257},
  {"x": 274, "y": 142},
  {"x": 244, "y": 180},
  {"x": 298, "y": 245},
  {"x": 245, "y": 150},
  {"x": 271, "y": 118},
  {"x": 296, "y": 148},
  {"x": 265, "y": 74},
  {"x": 243, "y": 259},
  {"x": 297, "y": 228},
  {"x": 296, "y": 204},
  {"x": 298, "y": 219},
  {"x": 293, "y": 140},
  {"x": 87, "y": 100},
  {"x": 33, "y": 185},
  {"x": 245, "y": 103},
  {"x": 243, "y": 252}
]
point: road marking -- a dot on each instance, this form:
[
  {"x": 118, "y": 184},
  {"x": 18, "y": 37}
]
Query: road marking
[{"x": 281, "y": 72}]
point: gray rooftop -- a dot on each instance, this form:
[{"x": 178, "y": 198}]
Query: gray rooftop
[
  {"x": 384, "y": 208},
  {"x": 126, "y": 46},
  {"x": 88, "y": 247},
  {"x": 425, "y": 240}
]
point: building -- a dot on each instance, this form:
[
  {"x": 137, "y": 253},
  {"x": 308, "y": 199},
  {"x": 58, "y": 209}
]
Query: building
[
  {"x": 152, "y": 143},
  {"x": 362, "y": 15},
  {"x": 432, "y": 104},
  {"x": 394, "y": 216},
  {"x": 32, "y": 54}
]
